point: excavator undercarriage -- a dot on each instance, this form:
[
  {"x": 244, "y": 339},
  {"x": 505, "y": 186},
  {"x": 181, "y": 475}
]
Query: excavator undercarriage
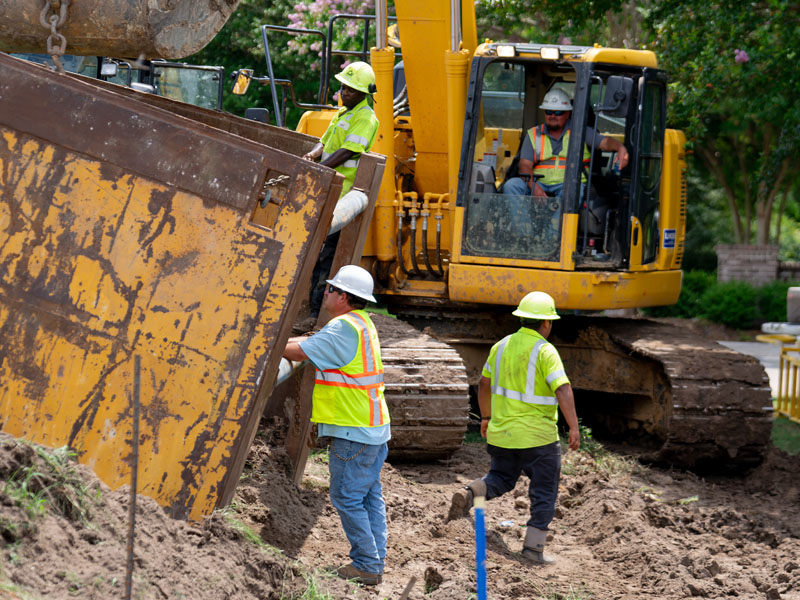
[{"x": 687, "y": 400}]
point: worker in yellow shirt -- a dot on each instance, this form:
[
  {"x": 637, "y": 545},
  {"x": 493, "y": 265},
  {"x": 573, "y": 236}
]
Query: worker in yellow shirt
[
  {"x": 522, "y": 386},
  {"x": 351, "y": 133}
]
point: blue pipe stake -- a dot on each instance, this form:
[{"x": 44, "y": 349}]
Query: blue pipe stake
[{"x": 480, "y": 545}]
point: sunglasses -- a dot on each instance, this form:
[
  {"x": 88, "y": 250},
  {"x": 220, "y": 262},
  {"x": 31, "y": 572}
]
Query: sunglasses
[
  {"x": 332, "y": 289},
  {"x": 556, "y": 113}
]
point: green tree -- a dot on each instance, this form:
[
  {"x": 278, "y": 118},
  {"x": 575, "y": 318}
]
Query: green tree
[
  {"x": 734, "y": 91},
  {"x": 297, "y": 58}
]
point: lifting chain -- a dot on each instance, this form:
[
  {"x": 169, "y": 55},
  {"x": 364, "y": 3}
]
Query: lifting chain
[
  {"x": 276, "y": 180},
  {"x": 53, "y": 16},
  {"x": 268, "y": 184}
]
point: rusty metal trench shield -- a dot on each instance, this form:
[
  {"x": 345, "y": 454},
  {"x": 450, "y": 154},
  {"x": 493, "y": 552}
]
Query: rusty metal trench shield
[{"x": 127, "y": 229}]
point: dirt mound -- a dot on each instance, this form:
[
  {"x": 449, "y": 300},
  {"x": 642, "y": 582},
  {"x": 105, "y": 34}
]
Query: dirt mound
[
  {"x": 64, "y": 535},
  {"x": 621, "y": 531}
]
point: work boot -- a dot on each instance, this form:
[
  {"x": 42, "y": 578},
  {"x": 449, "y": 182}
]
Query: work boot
[
  {"x": 533, "y": 547},
  {"x": 354, "y": 574},
  {"x": 462, "y": 500}
]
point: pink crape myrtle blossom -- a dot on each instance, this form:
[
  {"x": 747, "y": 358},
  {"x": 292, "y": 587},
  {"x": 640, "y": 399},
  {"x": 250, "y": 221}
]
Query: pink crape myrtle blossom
[{"x": 740, "y": 56}]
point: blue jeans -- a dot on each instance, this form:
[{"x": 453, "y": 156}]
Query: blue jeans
[
  {"x": 542, "y": 465},
  {"x": 517, "y": 186},
  {"x": 356, "y": 494}
]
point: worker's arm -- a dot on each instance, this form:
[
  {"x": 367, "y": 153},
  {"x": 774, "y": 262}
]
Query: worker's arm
[
  {"x": 314, "y": 153},
  {"x": 485, "y": 402},
  {"x": 610, "y": 144},
  {"x": 293, "y": 351},
  {"x": 525, "y": 168},
  {"x": 566, "y": 402},
  {"x": 339, "y": 157}
]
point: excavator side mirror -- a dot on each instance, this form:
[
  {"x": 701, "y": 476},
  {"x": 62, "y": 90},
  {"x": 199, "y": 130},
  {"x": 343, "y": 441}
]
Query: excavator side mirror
[
  {"x": 242, "y": 77},
  {"x": 617, "y": 96}
]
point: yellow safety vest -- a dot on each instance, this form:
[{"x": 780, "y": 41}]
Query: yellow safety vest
[
  {"x": 523, "y": 368},
  {"x": 355, "y": 130},
  {"x": 551, "y": 166},
  {"x": 353, "y": 394}
]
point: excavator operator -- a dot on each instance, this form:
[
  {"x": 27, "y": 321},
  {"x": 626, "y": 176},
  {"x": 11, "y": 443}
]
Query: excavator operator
[
  {"x": 544, "y": 150},
  {"x": 351, "y": 132}
]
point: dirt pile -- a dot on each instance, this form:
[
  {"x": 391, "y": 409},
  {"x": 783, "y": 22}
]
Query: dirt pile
[{"x": 622, "y": 531}]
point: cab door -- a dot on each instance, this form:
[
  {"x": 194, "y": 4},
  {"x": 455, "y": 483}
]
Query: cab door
[{"x": 648, "y": 156}]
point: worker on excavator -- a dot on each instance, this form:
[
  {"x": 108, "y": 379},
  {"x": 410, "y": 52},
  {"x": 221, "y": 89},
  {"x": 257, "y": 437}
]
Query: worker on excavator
[
  {"x": 351, "y": 132},
  {"x": 350, "y": 409},
  {"x": 522, "y": 385},
  {"x": 544, "y": 150}
]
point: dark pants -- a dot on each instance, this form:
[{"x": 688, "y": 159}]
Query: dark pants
[
  {"x": 542, "y": 465},
  {"x": 322, "y": 271}
]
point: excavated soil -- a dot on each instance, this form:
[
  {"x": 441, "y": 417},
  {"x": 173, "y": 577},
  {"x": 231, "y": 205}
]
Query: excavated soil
[
  {"x": 618, "y": 534},
  {"x": 622, "y": 531}
]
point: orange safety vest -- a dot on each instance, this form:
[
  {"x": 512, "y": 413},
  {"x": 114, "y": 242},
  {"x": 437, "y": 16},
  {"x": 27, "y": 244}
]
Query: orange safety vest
[
  {"x": 353, "y": 395},
  {"x": 551, "y": 166}
]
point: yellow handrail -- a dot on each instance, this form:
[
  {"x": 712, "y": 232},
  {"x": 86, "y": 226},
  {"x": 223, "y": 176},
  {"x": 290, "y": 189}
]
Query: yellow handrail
[{"x": 788, "y": 397}]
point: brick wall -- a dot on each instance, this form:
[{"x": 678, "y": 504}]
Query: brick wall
[{"x": 754, "y": 264}]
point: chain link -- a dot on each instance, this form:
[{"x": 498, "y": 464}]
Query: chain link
[
  {"x": 276, "y": 180},
  {"x": 336, "y": 454},
  {"x": 53, "y": 16}
]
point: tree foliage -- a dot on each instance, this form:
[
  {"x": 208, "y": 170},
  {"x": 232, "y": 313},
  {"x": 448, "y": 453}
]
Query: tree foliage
[
  {"x": 297, "y": 58},
  {"x": 734, "y": 91}
]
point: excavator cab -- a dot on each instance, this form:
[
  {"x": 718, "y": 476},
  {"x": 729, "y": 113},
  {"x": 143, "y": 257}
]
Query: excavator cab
[
  {"x": 200, "y": 85},
  {"x": 618, "y": 211}
]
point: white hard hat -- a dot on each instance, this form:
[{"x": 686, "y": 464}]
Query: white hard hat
[
  {"x": 354, "y": 280},
  {"x": 556, "y": 100}
]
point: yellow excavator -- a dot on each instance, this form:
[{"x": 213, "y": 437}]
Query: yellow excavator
[{"x": 451, "y": 253}]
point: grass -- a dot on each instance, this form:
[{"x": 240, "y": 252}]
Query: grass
[
  {"x": 593, "y": 456},
  {"x": 314, "y": 589},
  {"x": 786, "y": 435},
  {"x": 230, "y": 514},
  {"x": 51, "y": 482}
]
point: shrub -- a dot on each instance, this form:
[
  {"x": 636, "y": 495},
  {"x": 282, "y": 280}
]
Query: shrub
[
  {"x": 732, "y": 303},
  {"x": 736, "y": 304},
  {"x": 689, "y": 305},
  {"x": 772, "y": 300}
]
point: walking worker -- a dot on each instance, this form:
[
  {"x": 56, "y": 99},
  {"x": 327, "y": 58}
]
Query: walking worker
[
  {"x": 350, "y": 409},
  {"x": 351, "y": 133},
  {"x": 521, "y": 388}
]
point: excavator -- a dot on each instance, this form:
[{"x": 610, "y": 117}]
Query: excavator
[{"x": 452, "y": 254}]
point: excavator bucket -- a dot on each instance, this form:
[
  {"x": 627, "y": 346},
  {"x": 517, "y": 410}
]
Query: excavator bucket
[
  {"x": 130, "y": 233},
  {"x": 127, "y": 28}
]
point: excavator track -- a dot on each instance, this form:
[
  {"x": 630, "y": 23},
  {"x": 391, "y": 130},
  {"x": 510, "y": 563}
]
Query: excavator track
[
  {"x": 692, "y": 403},
  {"x": 703, "y": 404},
  {"x": 426, "y": 390}
]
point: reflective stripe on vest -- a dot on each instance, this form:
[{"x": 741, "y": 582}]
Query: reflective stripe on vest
[
  {"x": 342, "y": 123},
  {"x": 528, "y": 396},
  {"x": 368, "y": 381},
  {"x": 547, "y": 163}
]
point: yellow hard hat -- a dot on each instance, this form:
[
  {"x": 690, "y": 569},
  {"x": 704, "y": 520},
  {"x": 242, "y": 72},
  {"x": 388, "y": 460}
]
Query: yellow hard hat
[
  {"x": 359, "y": 76},
  {"x": 537, "y": 305}
]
